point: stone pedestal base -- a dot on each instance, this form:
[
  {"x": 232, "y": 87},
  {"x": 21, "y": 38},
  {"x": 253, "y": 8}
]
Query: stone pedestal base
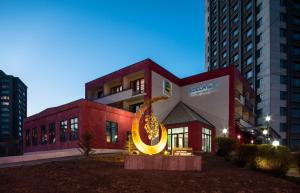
[{"x": 160, "y": 162}]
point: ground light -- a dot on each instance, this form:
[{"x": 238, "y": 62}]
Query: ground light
[{"x": 275, "y": 143}]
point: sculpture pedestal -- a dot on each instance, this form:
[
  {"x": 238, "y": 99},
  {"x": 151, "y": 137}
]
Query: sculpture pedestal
[{"x": 160, "y": 162}]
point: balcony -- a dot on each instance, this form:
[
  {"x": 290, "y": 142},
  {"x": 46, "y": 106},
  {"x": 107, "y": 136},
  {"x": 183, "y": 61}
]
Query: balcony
[
  {"x": 120, "y": 96},
  {"x": 239, "y": 97}
]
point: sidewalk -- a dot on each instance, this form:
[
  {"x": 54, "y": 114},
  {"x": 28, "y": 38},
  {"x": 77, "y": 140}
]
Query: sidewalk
[{"x": 46, "y": 156}]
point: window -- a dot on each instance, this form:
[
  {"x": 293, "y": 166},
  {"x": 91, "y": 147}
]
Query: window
[
  {"x": 249, "y": 33},
  {"x": 224, "y": 43},
  {"x": 74, "y": 129},
  {"x": 259, "y": 97},
  {"x": 135, "y": 107},
  {"x": 283, "y": 79},
  {"x": 259, "y": 23},
  {"x": 63, "y": 131},
  {"x": 215, "y": 42},
  {"x": 235, "y": 57},
  {"x": 258, "y": 8},
  {"x": 249, "y": 74},
  {"x": 235, "y": 19},
  {"x": 111, "y": 132},
  {"x": 52, "y": 133},
  {"x": 224, "y": 32},
  {"x": 34, "y": 136},
  {"x": 249, "y": 61},
  {"x": 283, "y": 63},
  {"x": 224, "y": 55},
  {"x": 249, "y": 5},
  {"x": 259, "y": 112},
  {"x": 138, "y": 86},
  {"x": 283, "y": 95},
  {"x": 235, "y": 7},
  {"x": 283, "y": 127},
  {"x": 258, "y": 38},
  {"x": 295, "y": 128},
  {"x": 178, "y": 138},
  {"x": 249, "y": 19},
  {"x": 224, "y": 9},
  {"x": 295, "y": 97},
  {"x": 283, "y": 48},
  {"x": 282, "y": 32},
  {"x": 296, "y": 112},
  {"x": 296, "y": 82},
  {"x": 249, "y": 46},
  {"x": 224, "y": 20},
  {"x": 258, "y": 53},
  {"x": 296, "y": 66},
  {"x": 259, "y": 82},
  {"x": 282, "y": 17},
  {"x": 235, "y": 32},
  {"x": 296, "y": 36},
  {"x": 206, "y": 140},
  {"x": 283, "y": 111},
  {"x": 116, "y": 89},
  {"x": 296, "y": 20},
  {"x": 214, "y": 53},
  {"x": 282, "y": 2},
  {"x": 43, "y": 135},
  {"x": 214, "y": 64},
  {"x": 27, "y": 137},
  {"x": 235, "y": 44},
  {"x": 296, "y": 50}
]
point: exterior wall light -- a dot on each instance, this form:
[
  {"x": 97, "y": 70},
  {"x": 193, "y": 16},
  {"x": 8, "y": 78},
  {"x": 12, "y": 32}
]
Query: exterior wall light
[
  {"x": 268, "y": 118},
  {"x": 225, "y": 131},
  {"x": 252, "y": 141},
  {"x": 239, "y": 136},
  {"x": 265, "y": 132}
]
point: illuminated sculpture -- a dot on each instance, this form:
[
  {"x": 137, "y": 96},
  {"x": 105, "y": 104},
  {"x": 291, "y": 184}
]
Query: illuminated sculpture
[{"x": 151, "y": 128}]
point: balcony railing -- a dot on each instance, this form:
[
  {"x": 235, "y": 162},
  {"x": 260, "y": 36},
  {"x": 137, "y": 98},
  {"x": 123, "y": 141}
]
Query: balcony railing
[{"x": 119, "y": 96}]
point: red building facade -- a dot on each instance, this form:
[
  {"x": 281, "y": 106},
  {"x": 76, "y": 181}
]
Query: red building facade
[
  {"x": 197, "y": 110},
  {"x": 61, "y": 127}
]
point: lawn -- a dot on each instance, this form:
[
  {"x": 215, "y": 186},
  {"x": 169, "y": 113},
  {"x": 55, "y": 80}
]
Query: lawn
[{"x": 106, "y": 174}]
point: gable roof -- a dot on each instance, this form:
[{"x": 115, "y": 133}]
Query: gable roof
[{"x": 182, "y": 113}]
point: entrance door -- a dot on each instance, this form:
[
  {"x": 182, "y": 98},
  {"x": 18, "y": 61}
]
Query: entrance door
[{"x": 177, "y": 137}]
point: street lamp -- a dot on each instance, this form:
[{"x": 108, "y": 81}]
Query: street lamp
[
  {"x": 225, "y": 131},
  {"x": 266, "y": 131}
]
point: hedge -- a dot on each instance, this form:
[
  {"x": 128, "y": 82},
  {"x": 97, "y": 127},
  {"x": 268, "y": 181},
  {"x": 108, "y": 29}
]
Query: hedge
[
  {"x": 245, "y": 155},
  {"x": 225, "y": 146},
  {"x": 273, "y": 159}
]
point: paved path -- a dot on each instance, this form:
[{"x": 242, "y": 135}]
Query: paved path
[{"x": 46, "y": 156}]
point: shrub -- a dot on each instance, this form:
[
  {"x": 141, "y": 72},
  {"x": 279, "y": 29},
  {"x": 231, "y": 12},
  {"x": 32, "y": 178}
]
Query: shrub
[
  {"x": 273, "y": 159},
  {"x": 225, "y": 146},
  {"x": 297, "y": 158},
  {"x": 245, "y": 155},
  {"x": 85, "y": 143}
]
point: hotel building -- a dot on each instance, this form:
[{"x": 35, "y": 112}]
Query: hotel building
[
  {"x": 198, "y": 109},
  {"x": 262, "y": 39}
]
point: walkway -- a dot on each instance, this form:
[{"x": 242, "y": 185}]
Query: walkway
[{"x": 46, "y": 156}]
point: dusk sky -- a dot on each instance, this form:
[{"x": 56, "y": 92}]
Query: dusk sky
[{"x": 55, "y": 47}]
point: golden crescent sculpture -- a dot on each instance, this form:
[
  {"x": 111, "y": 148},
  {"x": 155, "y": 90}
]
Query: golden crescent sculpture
[{"x": 140, "y": 145}]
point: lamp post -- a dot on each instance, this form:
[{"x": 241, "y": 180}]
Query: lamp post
[{"x": 266, "y": 131}]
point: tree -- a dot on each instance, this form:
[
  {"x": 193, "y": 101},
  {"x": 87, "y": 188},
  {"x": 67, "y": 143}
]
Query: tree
[{"x": 85, "y": 143}]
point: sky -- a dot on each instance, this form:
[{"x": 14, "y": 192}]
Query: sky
[{"x": 56, "y": 46}]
